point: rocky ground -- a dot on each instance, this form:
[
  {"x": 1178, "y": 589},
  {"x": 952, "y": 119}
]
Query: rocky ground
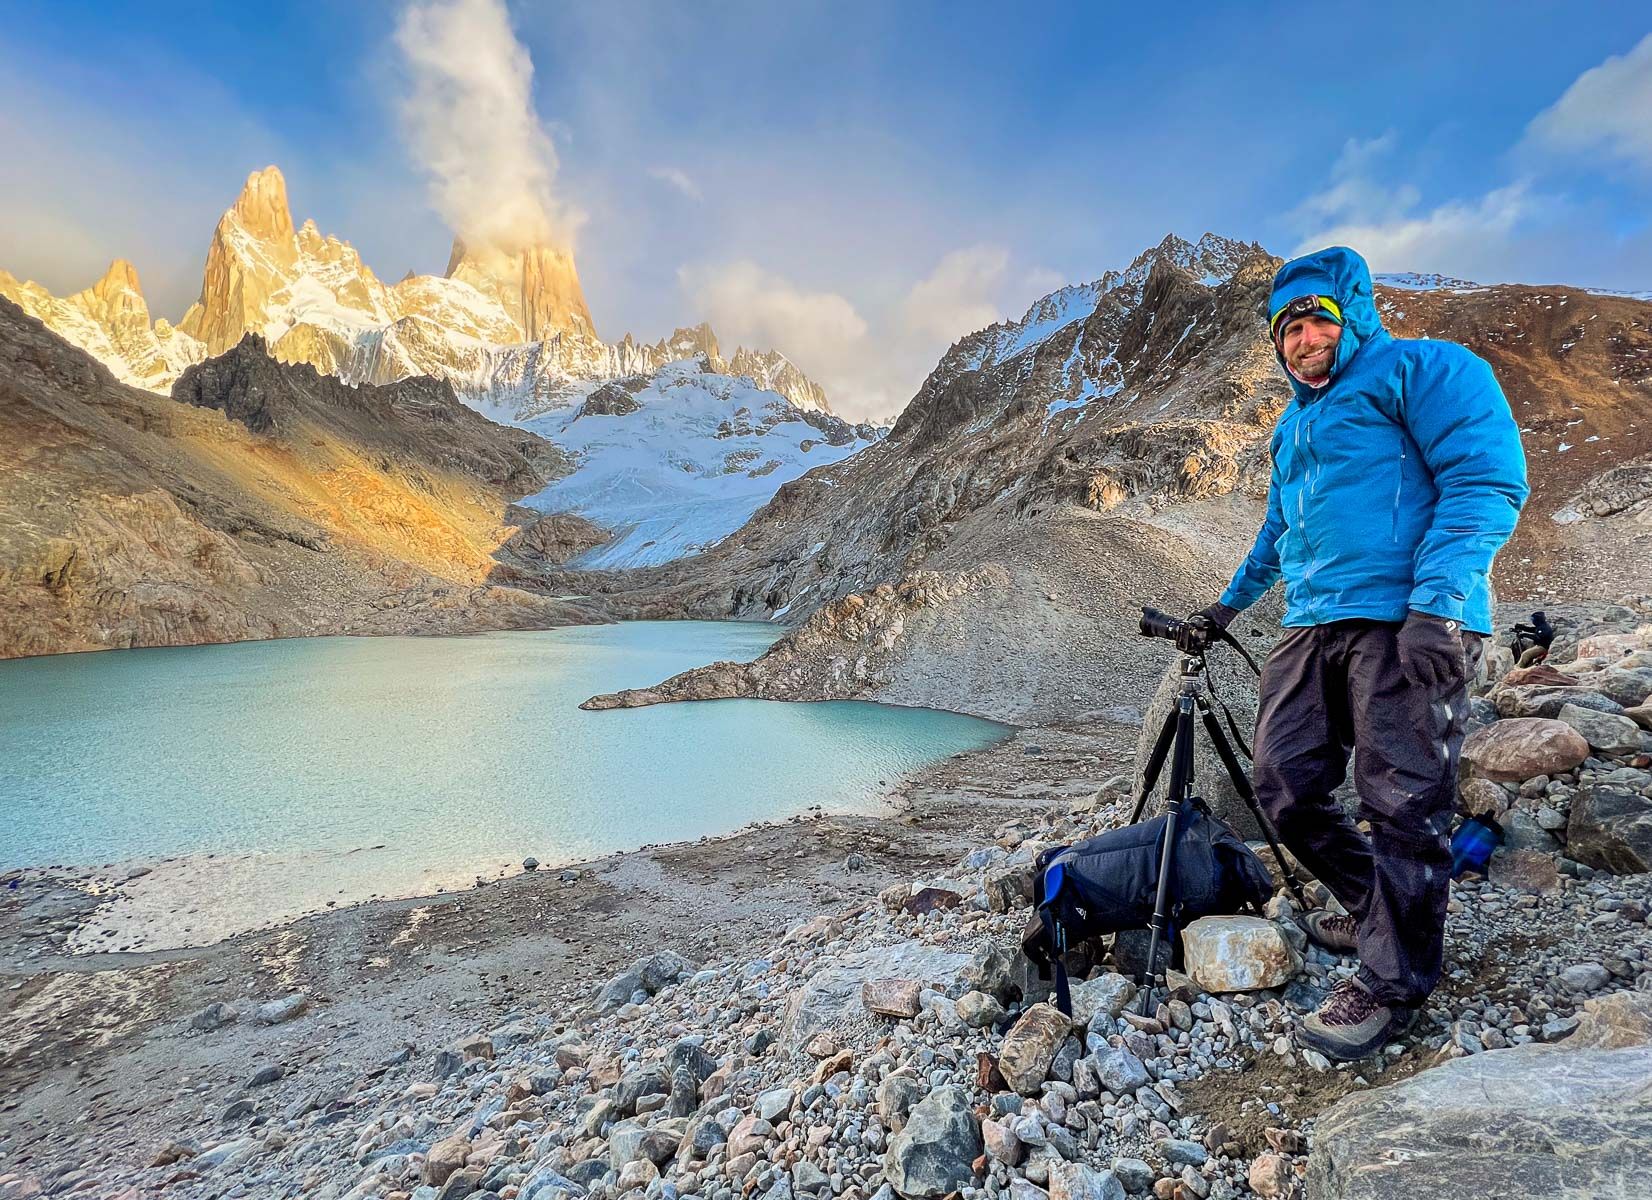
[{"x": 836, "y": 1007}]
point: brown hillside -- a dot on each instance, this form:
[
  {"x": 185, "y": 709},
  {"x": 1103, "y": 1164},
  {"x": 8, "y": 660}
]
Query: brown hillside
[{"x": 274, "y": 502}]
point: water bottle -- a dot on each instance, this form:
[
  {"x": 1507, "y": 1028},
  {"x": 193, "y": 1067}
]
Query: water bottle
[{"x": 1472, "y": 845}]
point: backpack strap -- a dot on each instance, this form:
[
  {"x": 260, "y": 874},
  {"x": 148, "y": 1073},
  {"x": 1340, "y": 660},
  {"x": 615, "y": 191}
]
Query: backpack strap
[
  {"x": 1052, "y": 879},
  {"x": 1058, "y": 959}
]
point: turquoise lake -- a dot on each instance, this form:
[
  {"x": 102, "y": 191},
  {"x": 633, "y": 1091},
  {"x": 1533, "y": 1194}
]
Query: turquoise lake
[{"x": 351, "y": 767}]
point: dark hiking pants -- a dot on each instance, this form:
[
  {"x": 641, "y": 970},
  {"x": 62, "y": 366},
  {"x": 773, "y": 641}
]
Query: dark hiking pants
[{"x": 1330, "y": 688}]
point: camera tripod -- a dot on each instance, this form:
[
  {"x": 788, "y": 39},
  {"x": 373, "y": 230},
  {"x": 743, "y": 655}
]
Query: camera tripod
[{"x": 1176, "y": 741}]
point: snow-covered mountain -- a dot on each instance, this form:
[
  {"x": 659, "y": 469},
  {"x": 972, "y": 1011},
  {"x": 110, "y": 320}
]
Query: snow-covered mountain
[
  {"x": 510, "y": 330},
  {"x": 677, "y": 460},
  {"x": 110, "y": 321},
  {"x": 504, "y": 326}
]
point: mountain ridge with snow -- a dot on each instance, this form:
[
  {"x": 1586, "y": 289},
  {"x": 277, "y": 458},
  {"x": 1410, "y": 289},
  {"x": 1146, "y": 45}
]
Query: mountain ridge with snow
[{"x": 499, "y": 325}]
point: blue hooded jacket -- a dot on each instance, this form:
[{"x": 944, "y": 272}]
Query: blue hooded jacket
[{"x": 1396, "y": 483}]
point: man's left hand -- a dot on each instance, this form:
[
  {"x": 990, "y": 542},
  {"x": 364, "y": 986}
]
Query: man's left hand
[{"x": 1431, "y": 652}]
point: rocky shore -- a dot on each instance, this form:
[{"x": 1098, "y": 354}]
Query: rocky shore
[{"x": 836, "y": 1008}]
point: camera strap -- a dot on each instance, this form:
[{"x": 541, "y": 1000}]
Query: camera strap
[{"x": 1210, "y": 682}]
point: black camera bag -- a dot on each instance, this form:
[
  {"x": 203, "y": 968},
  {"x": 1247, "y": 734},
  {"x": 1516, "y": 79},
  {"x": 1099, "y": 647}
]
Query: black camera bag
[{"x": 1108, "y": 883}]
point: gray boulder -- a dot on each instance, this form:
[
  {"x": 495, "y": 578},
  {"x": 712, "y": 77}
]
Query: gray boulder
[
  {"x": 1606, "y": 732},
  {"x": 1107, "y": 995},
  {"x": 638, "y": 1082},
  {"x": 1121, "y": 1072},
  {"x": 646, "y": 975},
  {"x": 213, "y": 1016},
  {"x": 1610, "y": 829},
  {"x": 832, "y": 997},
  {"x": 278, "y": 1012},
  {"x": 1628, "y": 687},
  {"x": 934, "y": 1153},
  {"x": 1075, "y": 1181}
]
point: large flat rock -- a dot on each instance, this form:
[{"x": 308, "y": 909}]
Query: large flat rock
[
  {"x": 1530, "y": 1121},
  {"x": 832, "y": 998}
]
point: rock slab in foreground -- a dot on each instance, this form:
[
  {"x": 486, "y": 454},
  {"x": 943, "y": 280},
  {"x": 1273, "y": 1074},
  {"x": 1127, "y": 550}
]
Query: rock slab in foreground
[
  {"x": 834, "y": 996},
  {"x": 1529, "y": 1121}
]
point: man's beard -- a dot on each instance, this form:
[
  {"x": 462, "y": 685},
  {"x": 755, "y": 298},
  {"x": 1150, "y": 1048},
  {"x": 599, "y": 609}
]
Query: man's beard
[{"x": 1316, "y": 371}]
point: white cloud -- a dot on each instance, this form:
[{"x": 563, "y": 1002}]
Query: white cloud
[
  {"x": 748, "y": 304},
  {"x": 1387, "y": 223},
  {"x": 1435, "y": 239},
  {"x": 470, "y": 122},
  {"x": 1353, "y": 193},
  {"x": 1518, "y": 231},
  {"x": 821, "y": 331},
  {"x": 956, "y": 297},
  {"x": 1607, "y": 109},
  {"x": 677, "y": 178},
  {"x": 870, "y": 358}
]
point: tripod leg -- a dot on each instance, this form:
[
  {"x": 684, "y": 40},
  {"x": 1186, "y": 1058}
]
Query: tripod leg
[
  {"x": 1241, "y": 784},
  {"x": 1181, "y": 786},
  {"x": 1155, "y": 764}
]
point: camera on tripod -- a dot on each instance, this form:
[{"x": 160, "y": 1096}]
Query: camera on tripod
[
  {"x": 1192, "y": 636},
  {"x": 1117, "y": 864}
]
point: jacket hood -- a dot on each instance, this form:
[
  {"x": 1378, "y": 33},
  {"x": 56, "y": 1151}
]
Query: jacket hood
[{"x": 1340, "y": 273}]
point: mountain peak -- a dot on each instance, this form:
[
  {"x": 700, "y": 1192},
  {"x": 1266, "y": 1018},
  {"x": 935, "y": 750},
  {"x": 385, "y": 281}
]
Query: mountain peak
[
  {"x": 1213, "y": 257},
  {"x": 537, "y": 285},
  {"x": 261, "y": 208},
  {"x": 121, "y": 276}
]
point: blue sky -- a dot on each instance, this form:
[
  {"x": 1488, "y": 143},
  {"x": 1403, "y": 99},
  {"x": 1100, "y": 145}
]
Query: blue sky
[{"x": 856, "y": 183}]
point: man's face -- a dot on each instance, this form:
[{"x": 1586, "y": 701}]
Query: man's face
[{"x": 1310, "y": 346}]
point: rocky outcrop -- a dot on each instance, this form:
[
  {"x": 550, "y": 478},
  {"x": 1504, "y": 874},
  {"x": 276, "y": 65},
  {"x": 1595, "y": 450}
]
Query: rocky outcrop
[
  {"x": 1528, "y": 1121},
  {"x": 550, "y": 538},
  {"x": 537, "y": 286},
  {"x": 266, "y": 501},
  {"x": 849, "y": 650}
]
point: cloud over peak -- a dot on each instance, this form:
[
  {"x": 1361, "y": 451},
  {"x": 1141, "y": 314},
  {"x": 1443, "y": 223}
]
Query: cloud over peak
[{"x": 469, "y": 121}]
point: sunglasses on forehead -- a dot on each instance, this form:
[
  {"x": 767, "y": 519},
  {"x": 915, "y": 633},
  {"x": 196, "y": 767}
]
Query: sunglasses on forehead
[{"x": 1303, "y": 306}]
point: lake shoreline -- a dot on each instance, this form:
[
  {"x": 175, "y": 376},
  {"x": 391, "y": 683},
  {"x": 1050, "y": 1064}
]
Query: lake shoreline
[
  {"x": 93, "y": 1046},
  {"x": 235, "y": 803}
]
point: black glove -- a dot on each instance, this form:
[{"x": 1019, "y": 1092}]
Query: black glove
[
  {"x": 1218, "y": 614},
  {"x": 1431, "y": 652},
  {"x": 1196, "y": 630}
]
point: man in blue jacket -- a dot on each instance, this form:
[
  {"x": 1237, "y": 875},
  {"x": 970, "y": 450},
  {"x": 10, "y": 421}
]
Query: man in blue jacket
[{"x": 1397, "y": 475}]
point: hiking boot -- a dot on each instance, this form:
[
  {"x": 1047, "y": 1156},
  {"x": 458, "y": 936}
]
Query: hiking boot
[
  {"x": 1352, "y": 1023},
  {"x": 1337, "y": 932}
]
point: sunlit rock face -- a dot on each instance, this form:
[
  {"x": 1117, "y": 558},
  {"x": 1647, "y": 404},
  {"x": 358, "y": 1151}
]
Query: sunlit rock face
[
  {"x": 537, "y": 286},
  {"x": 110, "y": 321},
  {"x": 507, "y": 326}
]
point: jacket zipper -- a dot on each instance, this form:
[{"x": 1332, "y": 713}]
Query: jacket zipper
[
  {"x": 1399, "y": 482},
  {"x": 1301, "y": 504}
]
